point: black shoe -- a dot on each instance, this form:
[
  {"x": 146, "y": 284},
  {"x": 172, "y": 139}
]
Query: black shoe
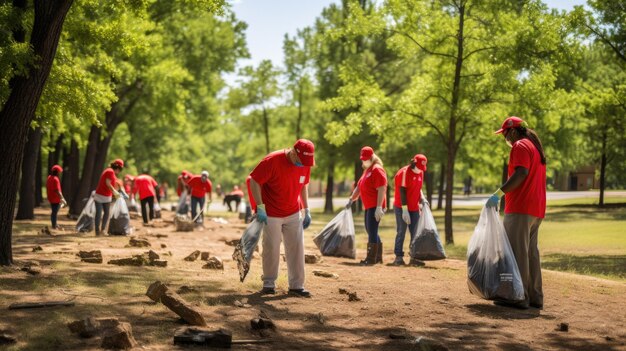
[
  {"x": 268, "y": 291},
  {"x": 299, "y": 292},
  {"x": 518, "y": 305},
  {"x": 537, "y": 306},
  {"x": 416, "y": 263},
  {"x": 399, "y": 261}
]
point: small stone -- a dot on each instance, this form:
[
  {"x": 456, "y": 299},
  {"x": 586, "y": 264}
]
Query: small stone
[
  {"x": 32, "y": 270},
  {"x": 353, "y": 297},
  {"x": 7, "y": 338},
  {"x": 163, "y": 246},
  {"x": 424, "y": 344},
  {"x": 261, "y": 323},
  {"x": 139, "y": 242},
  {"x": 311, "y": 258},
  {"x": 193, "y": 256},
  {"x": 156, "y": 290},
  {"x": 119, "y": 337},
  {"x": 37, "y": 248},
  {"x": 94, "y": 256},
  {"x": 85, "y": 328},
  {"x": 325, "y": 274},
  {"x": 609, "y": 338},
  {"x": 159, "y": 263},
  {"x": 214, "y": 263},
  {"x": 183, "y": 309},
  {"x": 343, "y": 291},
  {"x": 564, "y": 327},
  {"x": 204, "y": 256},
  {"x": 161, "y": 236},
  {"x": 321, "y": 318},
  {"x": 137, "y": 260},
  {"x": 397, "y": 335},
  {"x": 46, "y": 231},
  {"x": 153, "y": 255}
]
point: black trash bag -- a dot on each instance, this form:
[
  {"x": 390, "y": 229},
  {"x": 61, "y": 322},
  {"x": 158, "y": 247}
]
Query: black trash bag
[
  {"x": 337, "y": 238},
  {"x": 119, "y": 223},
  {"x": 246, "y": 246},
  {"x": 426, "y": 245},
  {"x": 492, "y": 271},
  {"x": 132, "y": 205},
  {"x": 86, "y": 221}
]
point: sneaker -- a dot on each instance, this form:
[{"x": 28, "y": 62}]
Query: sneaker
[
  {"x": 268, "y": 291},
  {"x": 537, "y": 305},
  {"x": 299, "y": 292},
  {"x": 399, "y": 261},
  {"x": 518, "y": 305},
  {"x": 416, "y": 263}
]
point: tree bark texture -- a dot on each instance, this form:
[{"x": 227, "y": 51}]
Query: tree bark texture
[
  {"x": 83, "y": 189},
  {"x": 442, "y": 179},
  {"x": 603, "y": 169},
  {"x": 26, "y": 205},
  {"x": 330, "y": 185},
  {"x": 71, "y": 168},
  {"x": 38, "y": 176}
]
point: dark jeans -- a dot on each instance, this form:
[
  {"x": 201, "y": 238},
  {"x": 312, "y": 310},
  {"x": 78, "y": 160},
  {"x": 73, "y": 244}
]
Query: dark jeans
[
  {"x": 196, "y": 201},
  {"x": 53, "y": 215},
  {"x": 371, "y": 226},
  {"x": 401, "y": 229},
  {"x": 99, "y": 215},
  {"x": 150, "y": 202}
]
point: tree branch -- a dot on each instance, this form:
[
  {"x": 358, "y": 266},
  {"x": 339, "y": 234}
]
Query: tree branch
[{"x": 421, "y": 46}]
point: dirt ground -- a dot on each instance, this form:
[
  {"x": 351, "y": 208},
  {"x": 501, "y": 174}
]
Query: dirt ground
[{"x": 431, "y": 302}]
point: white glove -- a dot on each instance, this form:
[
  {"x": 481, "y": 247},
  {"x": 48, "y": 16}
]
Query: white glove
[
  {"x": 63, "y": 203},
  {"x": 379, "y": 213},
  {"x": 405, "y": 215},
  {"x": 116, "y": 194}
]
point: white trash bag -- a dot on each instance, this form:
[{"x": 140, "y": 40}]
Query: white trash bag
[
  {"x": 492, "y": 271},
  {"x": 183, "y": 208},
  {"x": 338, "y": 237},
  {"x": 246, "y": 246},
  {"x": 119, "y": 223},
  {"x": 85, "y": 221},
  {"x": 426, "y": 245}
]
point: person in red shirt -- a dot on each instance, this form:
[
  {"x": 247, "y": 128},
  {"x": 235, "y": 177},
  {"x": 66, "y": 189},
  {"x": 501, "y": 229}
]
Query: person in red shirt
[
  {"x": 235, "y": 195},
  {"x": 105, "y": 191},
  {"x": 55, "y": 195},
  {"x": 200, "y": 186},
  {"x": 147, "y": 188},
  {"x": 372, "y": 188},
  {"x": 407, "y": 202},
  {"x": 181, "y": 182},
  {"x": 279, "y": 184},
  {"x": 525, "y": 205}
]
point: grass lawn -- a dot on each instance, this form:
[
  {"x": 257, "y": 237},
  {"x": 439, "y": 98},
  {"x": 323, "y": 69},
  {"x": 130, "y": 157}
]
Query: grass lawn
[{"x": 576, "y": 235}]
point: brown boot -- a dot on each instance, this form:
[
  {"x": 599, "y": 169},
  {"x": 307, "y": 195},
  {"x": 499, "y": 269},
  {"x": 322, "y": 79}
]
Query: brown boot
[
  {"x": 379, "y": 255},
  {"x": 372, "y": 252}
]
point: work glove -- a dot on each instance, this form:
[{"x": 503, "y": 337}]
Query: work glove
[
  {"x": 405, "y": 215},
  {"x": 63, "y": 203},
  {"x": 306, "y": 222},
  {"x": 124, "y": 195},
  {"x": 116, "y": 194},
  {"x": 379, "y": 213},
  {"x": 349, "y": 204},
  {"x": 261, "y": 215},
  {"x": 493, "y": 199}
]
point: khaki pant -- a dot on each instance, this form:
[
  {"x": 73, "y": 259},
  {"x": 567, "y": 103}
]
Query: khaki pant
[
  {"x": 287, "y": 229},
  {"x": 523, "y": 231}
]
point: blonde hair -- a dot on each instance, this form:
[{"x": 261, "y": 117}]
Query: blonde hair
[{"x": 376, "y": 160}]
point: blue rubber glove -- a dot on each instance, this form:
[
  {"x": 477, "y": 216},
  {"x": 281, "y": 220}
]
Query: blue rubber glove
[
  {"x": 306, "y": 222},
  {"x": 349, "y": 204},
  {"x": 124, "y": 195},
  {"x": 494, "y": 199},
  {"x": 261, "y": 215}
]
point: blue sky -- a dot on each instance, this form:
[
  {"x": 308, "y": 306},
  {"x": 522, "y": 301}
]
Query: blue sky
[{"x": 269, "y": 20}]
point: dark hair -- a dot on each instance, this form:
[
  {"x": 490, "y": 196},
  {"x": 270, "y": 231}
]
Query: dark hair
[
  {"x": 115, "y": 166},
  {"x": 534, "y": 138},
  {"x": 54, "y": 173}
]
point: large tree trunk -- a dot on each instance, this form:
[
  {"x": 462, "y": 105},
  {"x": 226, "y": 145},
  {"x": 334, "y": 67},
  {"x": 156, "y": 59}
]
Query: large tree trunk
[
  {"x": 100, "y": 159},
  {"x": 19, "y": 109},
  {"x": 358, "y": 172},
  {"x": 330, "y": 185},
  {"x": 25, "y": 209},
  {"x": 84, "y": 186},
  {"x": 55, "y": 154},
  {"x": 449, "y": 193},
  {"x": 299, "y": 121},
  {"x": 38, "y": 176},
  {"x": 442, "y": 179},
  {"x": 266, "y": 130},
  {"x": 71, "y": 165},
  {"x": 603, "y": 169},
  {"x": 428, "y": 177}
]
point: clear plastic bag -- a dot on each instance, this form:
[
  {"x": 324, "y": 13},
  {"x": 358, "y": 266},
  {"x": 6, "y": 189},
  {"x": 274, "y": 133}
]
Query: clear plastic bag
[
  {"x": 246, "y": 246},
  {"x": 85, "y": 221},
  {"x": 337, "y": 238},
  {"x": 157, "y": 210},
  {"x": 182, "y": 208},
  {"x": 119, "y": 223},
  {"x": 426, "y": 245},
  {"x": 492, "y": 271}
]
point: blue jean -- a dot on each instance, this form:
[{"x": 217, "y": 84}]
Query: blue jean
[
  {"x": 401, "y": 229},
  {"x": 102, "y": 207},
  {"x": 196, "y": 201},
  {"x": 371, "y": 226},
  {"x": 53, "y": 215}
]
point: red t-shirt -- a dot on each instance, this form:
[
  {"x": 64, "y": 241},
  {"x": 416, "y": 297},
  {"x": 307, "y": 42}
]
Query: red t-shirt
[
  {"x": 145, "y": 186},
  {"x": 281, "y": 183},
  {"x": 413, "y": 184},
  {"x": 180, "y": 185},
  {"x": 236, "y": 192},
  {"x": 198, "y": 188},
  {"x": 102, "y": 188},
  {"x": 374, "y": 177},
  {"x": 53, "y": 184},
  {"x": 530, "y": 197}
]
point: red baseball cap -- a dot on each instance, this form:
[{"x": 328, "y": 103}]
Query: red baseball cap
[
  {"x": 119, "y": 162},
  {"x": 56, "y": 168},
  {"x": 306, "y": 151},
  {"x": 511, "y": 122},
  {"x": 129, "y": 177},
  {"x": 420, "y": 161},
  {"x": 366, "y": 153}
]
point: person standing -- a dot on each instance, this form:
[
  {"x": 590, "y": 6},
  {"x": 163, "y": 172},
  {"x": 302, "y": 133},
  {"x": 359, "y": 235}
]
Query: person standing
[
  {"x": 407, "y": 202},
  {"x": 279, "y": 184},
  {"x": 181, "y": 182},
  {"x": 105, "y": 192},
  {"x": 200, "y": 187},
  {"x": 55, "y": 195},
  {"x": 525, "y": 205},
  {"x": 372, "y": 188},
  {"x": 147, "y": 188}
]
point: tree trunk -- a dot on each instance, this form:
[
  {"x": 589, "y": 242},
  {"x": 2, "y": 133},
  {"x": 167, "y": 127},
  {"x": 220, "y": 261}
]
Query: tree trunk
[
  {"x": 505, "y": 177},
  {"x": 25, "y": 209},
  {"x": 299, "y": 121},
  {"x": 19, "y": 109},
  {"x": 266, "y": 129},
  {"x": 55, "y": 154},
  {"x": 99, "y": 163},
  {"x": 38, "y": 176},
  {"x": 428, "y": 177},
  {"x": 358, "y": 172},
  {"x": 83, "y": 188},
  {"x": 449, "y": 193},
  {"x": 603, "y": 169},
  {"x": 442, "y": 179},
  {"x": 71, "y": 165},
  {"x": 330, "y": 185}
]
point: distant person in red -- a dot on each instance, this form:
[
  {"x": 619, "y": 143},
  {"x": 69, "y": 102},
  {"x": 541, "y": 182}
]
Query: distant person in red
[
  {"x": 105, "y": 192},
  {"x": 277, "y": 183},
  {"x": 128, "y": 185},
  {"x": 407, "y": 202},
  {"x": 147, "y": 188},
  {"x": 235, "y": 195},
  {"x": 181, "y": 182},
  {"x": 55, "y": 195},
  {"x": 372, "y": 189},
  {"x": 525, "y": 205},
  {"x": 200, "y": 186}
]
